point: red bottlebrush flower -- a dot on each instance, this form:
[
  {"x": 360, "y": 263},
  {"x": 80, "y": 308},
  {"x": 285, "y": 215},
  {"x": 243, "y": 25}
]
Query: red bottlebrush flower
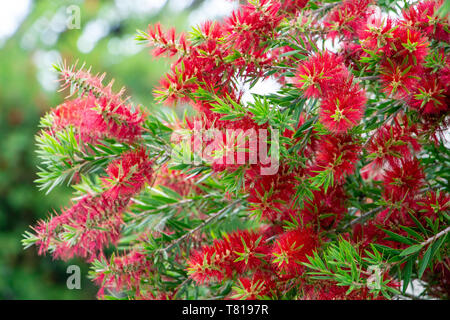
[
  {"x": 433, "y": 204},
  {"x": 327, "y": 290},
  {"x": 343, "y": 108},
  {"x": 398, "y": 80},
  {"x": 292, "y": 248},
  {"x": 429, "y": 97},
  {"x": 258, "y": 286},
  {"x": 118, "y": 120},
  {"x": 423, "y": 17},
  {"x": 436, "y": 128},
  {"x": 292, "y": 6},
  {"x": 232, "y": 149},
  {"x": 325, "y": 209},
  {"x": 410, "y": 44},
  {"x": 378, "y": 35},
  {"x": 74, "y": 113},
  {"x": 352, "y": 54},
  {"x": 237, "y": 252},
  {"x": 249, "y": 26},
  {"x": 83, "y": 82},
  {"x": 390, "y": 143},
  {"x": 249, "y": 249},
  {"x": 367, "y": 233},
  {"x": 395, "y": 215},
  {"x": 124, "y": 272},
  {"x": 319, "y": 73},
  {"x": 372, "y": 171},
  {"x": 444, "y": 73},
  {"x": 97, "y": 118},
  {"x": 439, "y": 278},
  {"x": 128, "y": 175},
  {"x": 347, "y": 18},
  {"x": 403, "y": 179},
  {"x": 338, "y": 154},
  {"x": 177, "y": 84},
  {"x": 82, "y": 230},
  {"x": 166, "y": 43},
  {"x": 211, "y": 30},
  {"x": 271, "y": 195},
  {"x": 207, "y": 64},
  {"x": 206, "y": 265}
]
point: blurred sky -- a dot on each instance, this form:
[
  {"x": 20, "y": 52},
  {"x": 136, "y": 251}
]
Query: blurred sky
[{"x": 12, "y": 14}]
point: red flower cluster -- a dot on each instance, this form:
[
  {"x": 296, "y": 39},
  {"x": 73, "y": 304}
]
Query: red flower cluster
[
  {"x": 125, "y": 271},
  {"x": 250, "y": 25},
  {"x": 95, "y": 220},
  {"x": 292, "y": 248},
  {"x": 347, "y": 18},
  {"x": 166, "y": 43},
  {"x": 98, "y": 118},
  {"x": 238, "y": 252},
  {"x": 293, "y": 6},
  {"x": 378, "y": 35},
  {"x": 257, "y": 286},
  {"x": 82, "y": 230},
  {"x": 317, "y": 187},
  {"x": 325, "y": 76},
  {"x": 343, "y": 107},
  {"x": 271, "y": 195},
  {"x": 326, "y": 209},
  {"x": 424, "y": 17},
  {"x": 432, "y": 204},
  {"x": 393, "y": 142},
  {"x": 222, "y": 54},
  {"x": 128, "y": 175},
  {"x": 247, "y": 252},
  {"x": 402, "y": 47},
  {"x": 320, "y": 73},
  {"x": 338, "y": 153},
  {"x": 429, "y": 97},
  {"x": 327, "y": 290}
]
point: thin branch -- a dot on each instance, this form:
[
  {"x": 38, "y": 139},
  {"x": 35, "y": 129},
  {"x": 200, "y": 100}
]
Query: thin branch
[
  {"x": 202, "y": 225},
  {"x": 437, "y": 236},
  {"x": 325, "y": 7},
  {"x": 363, "y": 216},
  {"x": 181, "y": 285},
  {"x": 374, "y": 211},
  {"x": 369, "y": 78}
]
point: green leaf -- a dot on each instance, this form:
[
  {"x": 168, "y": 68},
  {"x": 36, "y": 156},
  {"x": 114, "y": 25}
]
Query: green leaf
[
  {"x": 396, "y": 237},
  {"x": 407, "y": 273},
  {"x": 410, "y": 250},
  {"x": 424, "y": 262},
  {"x": 429, "y": 254}
]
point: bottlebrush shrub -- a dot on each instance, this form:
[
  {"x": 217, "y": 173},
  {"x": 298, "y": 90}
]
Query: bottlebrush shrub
[{"x": 333, "y": 187}]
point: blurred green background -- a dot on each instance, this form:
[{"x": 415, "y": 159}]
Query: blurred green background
[{"x": 33, "y": 36}]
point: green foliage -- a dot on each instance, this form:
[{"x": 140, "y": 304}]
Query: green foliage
[
  {"x": 427, "y": 244},
  {"x": 220, "y": 204},
  {"x": 342, "y": 263},
  {"x": 62, "y": 157},
  {"x": 444, "y": 10},
  {"x": 28, "y": 91}
]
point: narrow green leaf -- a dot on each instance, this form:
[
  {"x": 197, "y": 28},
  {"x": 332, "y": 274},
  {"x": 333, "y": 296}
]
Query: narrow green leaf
[{"x": 410, "y": 250}]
